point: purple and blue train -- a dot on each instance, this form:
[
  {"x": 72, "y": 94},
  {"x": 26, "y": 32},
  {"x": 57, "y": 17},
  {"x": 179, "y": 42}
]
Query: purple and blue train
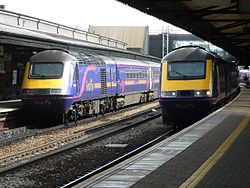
[{"x": 77, "y": 84}]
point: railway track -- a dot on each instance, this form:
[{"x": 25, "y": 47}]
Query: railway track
[
  {"x": 90, "y": 149},
  {"x": 10, "y": 120},
  {"x": 35, "y": 127},
  {"x": 82, "y": 181},
  {"x": 10, "y": 114},
  {"x": 76, "y": 135}
]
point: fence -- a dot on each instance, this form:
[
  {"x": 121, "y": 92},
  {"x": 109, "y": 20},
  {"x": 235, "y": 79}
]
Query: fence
[{"x": 28, "y": 22}]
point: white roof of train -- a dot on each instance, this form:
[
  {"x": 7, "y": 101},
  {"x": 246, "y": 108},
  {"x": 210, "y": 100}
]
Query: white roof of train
[{"x": 121, "y": 61}]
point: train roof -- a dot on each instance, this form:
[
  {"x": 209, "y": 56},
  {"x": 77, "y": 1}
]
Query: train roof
[
  {"x": 58, "y": 55},
  {"x": 189, "y": 53},
  {"x": 86, "y": 58},
  {"x": 52, "y": 56},
  {"x": 127, "y": 61}
]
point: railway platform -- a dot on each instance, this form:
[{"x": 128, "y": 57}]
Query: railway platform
[
  {"x": 213, "y": 152},
  {"x": 9, "y": 111},
  {"x": 10, "y": 106}
]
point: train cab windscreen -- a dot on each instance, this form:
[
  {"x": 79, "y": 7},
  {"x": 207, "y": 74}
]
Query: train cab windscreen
[
  {"x": 186, "y": 70},
  {"x": 46, "y": 70}
]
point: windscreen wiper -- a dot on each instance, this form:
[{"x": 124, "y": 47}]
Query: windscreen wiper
[
  {"x": 181, "y": 74},
  {"x": 38, "y": 74}
]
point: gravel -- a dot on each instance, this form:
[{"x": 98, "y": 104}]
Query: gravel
[
  {"x": 34, "y": 141},
  {"x": 63, "y": 167}
]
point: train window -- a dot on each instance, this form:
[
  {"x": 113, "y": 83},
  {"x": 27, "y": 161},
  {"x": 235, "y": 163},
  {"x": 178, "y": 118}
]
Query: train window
[
  {"x": 134, "y": 75},
  {"x": 46, "y": 70},
  {"x": 156, "y": 74},
  {"x": 130, "y": 75},
  {"x": 186, "y": 70},
  {"x": 141, "y": 76}
]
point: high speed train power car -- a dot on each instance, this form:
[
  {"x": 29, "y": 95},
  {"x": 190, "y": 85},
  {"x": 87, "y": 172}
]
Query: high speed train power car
[
  {"x": 193, "y": 83},
  {"x": 77, "y": 84}
]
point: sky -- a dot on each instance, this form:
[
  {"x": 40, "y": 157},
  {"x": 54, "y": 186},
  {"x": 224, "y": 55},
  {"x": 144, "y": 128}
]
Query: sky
[{"x": 82, "y": 13}]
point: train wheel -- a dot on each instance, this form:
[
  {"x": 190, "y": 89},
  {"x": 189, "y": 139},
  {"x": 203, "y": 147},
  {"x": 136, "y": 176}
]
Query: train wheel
[
  {"x": 102, "y": 109},
  {"x": 115, "y": 105},
  {"x": 75, "y": 116},
  {"x": 164, "y": 118},
  {"x": 65, "y": 119},
  {"x": 141, "y": 100},
  {"x": 72, "y": 115}
]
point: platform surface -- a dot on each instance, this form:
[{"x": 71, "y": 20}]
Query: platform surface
[
  {"x": 214, "y": 152},
  {"x": 10, "y": 106}
]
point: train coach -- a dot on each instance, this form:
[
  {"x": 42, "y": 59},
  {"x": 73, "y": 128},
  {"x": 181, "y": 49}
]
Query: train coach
[
  {"x": 76, "y": 84},
  {"x": 193, "y": 83}
]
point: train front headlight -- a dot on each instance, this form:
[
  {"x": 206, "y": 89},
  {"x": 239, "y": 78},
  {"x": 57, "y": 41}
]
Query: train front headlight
[
  {"x": 208, "y": 93},
  {"x": 168, "y": 93},
  {"x": 202, "y": 93}
]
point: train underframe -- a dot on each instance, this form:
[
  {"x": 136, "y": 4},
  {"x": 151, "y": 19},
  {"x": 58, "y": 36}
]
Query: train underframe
[
  {"x": 87, "y": 108},
  {"x": 181, "y": 113}
]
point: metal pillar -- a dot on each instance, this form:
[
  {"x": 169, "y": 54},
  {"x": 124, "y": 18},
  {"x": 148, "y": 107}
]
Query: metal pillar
[{"x": 165, "y": 41}]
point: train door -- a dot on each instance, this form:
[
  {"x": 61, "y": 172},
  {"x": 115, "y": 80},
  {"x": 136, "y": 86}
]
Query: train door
[
  {"x": 227, "y": 81},
  {"x": 150, "y": 79},
  {"x": 111, "y": 70},
  {"x": 222, "y": 80},
  {"x": 119, "y": 81},
  {"x": 75, "y": 84},
  {"x": 215, "y": 82}
]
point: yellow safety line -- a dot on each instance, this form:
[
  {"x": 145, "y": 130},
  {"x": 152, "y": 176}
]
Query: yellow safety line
[{"x": 199, "y": 174}]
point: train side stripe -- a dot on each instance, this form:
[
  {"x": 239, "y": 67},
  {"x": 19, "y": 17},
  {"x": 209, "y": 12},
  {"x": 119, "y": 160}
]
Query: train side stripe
[{"x": 88, "y": 69}]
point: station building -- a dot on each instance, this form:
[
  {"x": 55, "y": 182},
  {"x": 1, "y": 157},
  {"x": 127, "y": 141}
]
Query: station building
[
  {"x": 136, "y": 37},
  {"x": 22, "y": 36}
]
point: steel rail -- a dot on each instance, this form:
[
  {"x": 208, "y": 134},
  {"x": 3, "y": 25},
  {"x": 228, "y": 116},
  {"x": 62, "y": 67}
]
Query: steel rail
[
  {"x": 19, "y": 133},
  {"x": 117, "y": 161},
  {"x": 22, "y": 158}
]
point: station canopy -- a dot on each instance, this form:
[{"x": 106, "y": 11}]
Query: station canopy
[{"x": 224, "y": 23}]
